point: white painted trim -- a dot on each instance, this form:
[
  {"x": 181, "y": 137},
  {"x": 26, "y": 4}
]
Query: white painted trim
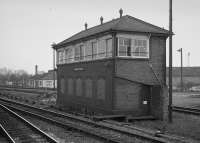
[{"x": 133, "y": 37}]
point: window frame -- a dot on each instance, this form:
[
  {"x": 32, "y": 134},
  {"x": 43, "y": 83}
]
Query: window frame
[
  {"x": 107, "y": 52},
  {"x": 133, "y": 37},
  {"x": 67, "y": 59},
  {"x": 94, "y": 57}
]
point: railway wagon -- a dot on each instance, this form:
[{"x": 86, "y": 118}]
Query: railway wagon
[{"x": 117, "y": 67}]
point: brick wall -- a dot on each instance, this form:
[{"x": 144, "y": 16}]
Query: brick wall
[{"x": 94, "y": 70}]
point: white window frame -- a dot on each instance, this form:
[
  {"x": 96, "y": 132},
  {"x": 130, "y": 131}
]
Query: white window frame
[
  {"x": 67, "y": 60},
  {"x": 98, "y": 49},
  {"x": 82, "y": 52},
  {"x": 107, "y": 52},
  {"x": 133, "y": 37},
  {"x": 147, "y": 49},
  {"x": 87, "y": 46},
  {"x": 94, "y": 57},
  {"x": 61, "y": 56}
]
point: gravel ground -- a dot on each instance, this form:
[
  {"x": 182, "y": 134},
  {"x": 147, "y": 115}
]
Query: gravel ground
[
  {"x": 36, "y": 99},
  {"x": 60, "y": 134},
  {"x": 183, "y": 125}
]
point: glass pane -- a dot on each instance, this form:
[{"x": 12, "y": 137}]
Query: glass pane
[
  {"x": 128, "y": 51},
  {"x": 122, "y": 51},
  {"x": 82, "y": 52},
  {"x": 139, "y": 42},
  {"x": 88, "y": 52},
  {"x": 101, "y": 49},
  {"x": 137, "y": 51},
  {"x": 140, "y": 48},
  {"x": 77, "y": 53},
  {"x": 68, "y": 55},
  {"x": 127, "y": 42},
  {"x": 121, "y": 41},
  {"x": 109, "y": 47},
  {"x": 94, "y": 49},
  {"x": 143, "y": 51},
  {"x": 145, "y": 43}
]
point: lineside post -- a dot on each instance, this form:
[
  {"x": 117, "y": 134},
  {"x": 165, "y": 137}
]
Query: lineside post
[{"x": 170, "y": 62}]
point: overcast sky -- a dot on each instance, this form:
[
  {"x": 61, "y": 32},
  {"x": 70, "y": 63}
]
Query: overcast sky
[{"x": 28, "y": 27}]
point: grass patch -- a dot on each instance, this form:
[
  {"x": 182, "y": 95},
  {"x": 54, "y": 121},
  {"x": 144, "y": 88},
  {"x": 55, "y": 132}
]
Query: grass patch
[{"x": 183, "y": 125}]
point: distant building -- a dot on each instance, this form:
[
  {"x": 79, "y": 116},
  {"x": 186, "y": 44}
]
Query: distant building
[
  {"x": 45, "y": 80},
  {"x": 48, "y": 80}
]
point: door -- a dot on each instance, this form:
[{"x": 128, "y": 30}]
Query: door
[{"x": 145, "y": 100}]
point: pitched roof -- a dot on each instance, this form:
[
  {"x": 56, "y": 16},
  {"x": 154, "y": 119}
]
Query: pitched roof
[
  {"x": 125, "y": 23},
  {"x": 49, "y": 76},
  {"x": 37, "y": 77}
]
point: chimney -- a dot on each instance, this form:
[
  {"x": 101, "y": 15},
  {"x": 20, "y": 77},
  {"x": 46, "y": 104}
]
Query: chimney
[
  {"x": 101, "y": 20},
  {"x": 36, "y": 69},
  {"x": 86, "y": 26},
  {"x": 120, "y": 12}
]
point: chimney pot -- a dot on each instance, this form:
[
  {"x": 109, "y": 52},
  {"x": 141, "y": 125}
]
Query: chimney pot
[
  {"x": 86, "y": 26},
  {"x": 36, "y": 69},
  {"x": 101, "y": 20},
  {"x": 120, "y": 12}
]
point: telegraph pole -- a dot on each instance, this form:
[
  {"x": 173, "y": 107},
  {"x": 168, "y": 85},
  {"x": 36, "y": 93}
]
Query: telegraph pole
[
  {"x": 181, "y": 70},
  {"x": 170, "y": 63},
  {"x": 54, "y": 69},
  {"x": 181, "y": 51}
]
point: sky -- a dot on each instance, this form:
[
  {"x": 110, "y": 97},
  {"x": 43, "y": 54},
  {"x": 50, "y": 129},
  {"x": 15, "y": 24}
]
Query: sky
[{"x": 29, "y": 27}]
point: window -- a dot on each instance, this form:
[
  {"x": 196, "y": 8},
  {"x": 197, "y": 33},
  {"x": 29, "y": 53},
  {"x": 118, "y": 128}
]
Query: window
[
  {"x": 60, "y": 57},
  {"x": 108, "y": 47},
  {"x": 69, "y": 55},
  {"x": 140, "y": 48},
  {"x": 133, "y": 47},
  {"x": 101, "y": 88},
  {"x": 40, "y": 83},
  {"x": 94, "y": 50},
  {"x": 101, "y": 49},
  {"x": 49, "y": 83},
  {"x": 88, "y": 87},
  {"x": 70, "y": 86},
  {"x": 124, "y": 47},
  {"x": 78, "y": 87},
  {"x": 88, "y": 52},
  {"x": 77, "y": 53},
  {"x": 82, "y": 48}
]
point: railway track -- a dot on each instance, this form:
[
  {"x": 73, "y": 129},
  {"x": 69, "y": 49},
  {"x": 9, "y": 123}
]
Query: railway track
[
  {"x": 186, "y": 110},
  {"x": 16, "y": 129},
  {"x": 4, "y": 136},
  {"x": 100, "y": 130}
]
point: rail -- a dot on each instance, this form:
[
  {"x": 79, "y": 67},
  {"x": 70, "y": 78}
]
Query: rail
[
  {"x": 186, "y": 110},
  {"x": 106, "y": 132},
  {"x": 21, "y": 130}
]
